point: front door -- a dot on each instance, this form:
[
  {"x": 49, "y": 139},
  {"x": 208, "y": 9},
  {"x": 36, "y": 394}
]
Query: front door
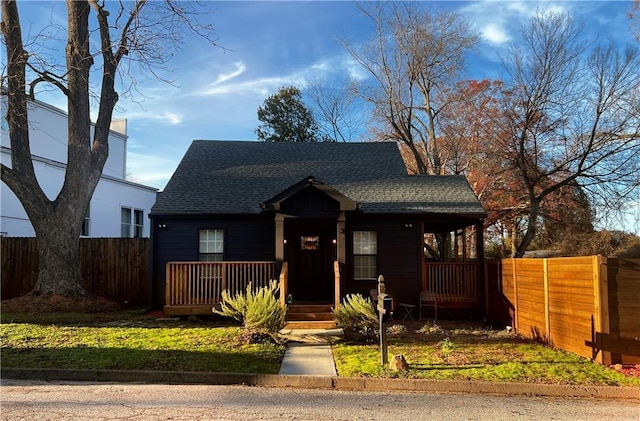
[{"x": 310, "y": 251}]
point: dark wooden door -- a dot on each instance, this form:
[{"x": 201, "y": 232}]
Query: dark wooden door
[{"x": 310, "y": 253}]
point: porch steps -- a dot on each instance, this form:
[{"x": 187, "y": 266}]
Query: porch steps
[{"x": 310, "y": 316}]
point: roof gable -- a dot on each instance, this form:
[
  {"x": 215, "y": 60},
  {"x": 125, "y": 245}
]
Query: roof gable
[{"x": 345, "y": 203}]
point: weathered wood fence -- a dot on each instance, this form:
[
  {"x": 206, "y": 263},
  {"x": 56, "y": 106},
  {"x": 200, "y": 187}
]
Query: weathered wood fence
[
  {"x": 114, "y": 268},
  {"x": 586, "y": 305}
]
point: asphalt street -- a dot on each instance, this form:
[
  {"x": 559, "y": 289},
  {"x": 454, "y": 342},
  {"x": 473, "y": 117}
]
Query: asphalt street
[{"x": 28, "y": 399}]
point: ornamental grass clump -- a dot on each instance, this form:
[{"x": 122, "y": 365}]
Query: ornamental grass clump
[
  {"x": 357, "y": 318},
  {"x": 258, "y": 310}
]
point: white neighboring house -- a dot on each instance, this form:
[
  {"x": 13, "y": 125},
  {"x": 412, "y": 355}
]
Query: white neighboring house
[{"x": 118, "y": 208}]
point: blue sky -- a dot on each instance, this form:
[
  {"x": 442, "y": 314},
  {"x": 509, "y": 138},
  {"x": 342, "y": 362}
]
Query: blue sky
[{"x": 273, "y": 44}]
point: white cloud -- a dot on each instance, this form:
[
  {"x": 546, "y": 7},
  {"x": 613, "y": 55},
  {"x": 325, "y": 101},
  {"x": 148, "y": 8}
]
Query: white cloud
[
  {"x": 172, "y": 118},
  {"x": 223, "y": 77},
  {"x": 225, "y": 84},
  {"x": 260, "y": 87},
  {"x": 355, "y": 70},
  {"x": 150, "y": 170},
  {"x": 495, "y": 34},
  {"x": 149, "y": 115}
]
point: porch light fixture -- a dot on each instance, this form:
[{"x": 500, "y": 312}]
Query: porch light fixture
[
  {"x": 285, "y": 241},
  {"x": 334, "y": 241}
]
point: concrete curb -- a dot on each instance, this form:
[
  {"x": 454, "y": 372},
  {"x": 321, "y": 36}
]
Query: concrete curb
[{"x": 325, "y": 382}]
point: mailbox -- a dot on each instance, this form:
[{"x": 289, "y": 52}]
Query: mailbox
[{"x": 385, "y": 305}]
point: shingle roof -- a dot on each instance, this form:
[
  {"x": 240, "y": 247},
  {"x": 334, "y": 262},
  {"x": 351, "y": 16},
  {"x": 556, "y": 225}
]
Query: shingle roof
[{"x": 234, "y": 177}]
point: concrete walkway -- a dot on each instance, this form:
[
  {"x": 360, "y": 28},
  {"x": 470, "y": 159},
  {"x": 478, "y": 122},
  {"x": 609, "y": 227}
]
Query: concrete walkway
[{"x": 309, "y": 353}]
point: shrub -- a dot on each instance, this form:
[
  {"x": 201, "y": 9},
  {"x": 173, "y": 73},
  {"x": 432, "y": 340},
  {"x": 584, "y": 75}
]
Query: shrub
[
  {"x": 397, "y": 330},
  {"x": 357, "y": 318},
  {"x": 259, "y": 310},
  {"x": 430, "y": 328},
  {"x": 446, "y": 348}
]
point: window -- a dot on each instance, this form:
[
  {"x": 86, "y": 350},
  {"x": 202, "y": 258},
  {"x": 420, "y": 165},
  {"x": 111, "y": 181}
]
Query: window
[
  {"x": 131, "y": 223},
  {"x": 138, "y": 223},
  {"x": 310, "y": 243},
  {"x": 86, "y": 223},
  {"x": 211, "y": 245},
  {"x": 365, "y": 250}
]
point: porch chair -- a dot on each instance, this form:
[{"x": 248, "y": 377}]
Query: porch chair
[{"x": 428, "y": 299}]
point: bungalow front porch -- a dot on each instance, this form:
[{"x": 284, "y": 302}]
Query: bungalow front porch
[{"x": 193, "y": 288}]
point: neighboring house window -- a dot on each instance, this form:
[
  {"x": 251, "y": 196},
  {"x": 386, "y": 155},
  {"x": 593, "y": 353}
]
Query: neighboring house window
[
  {"x": 365, "y": 250},
  {"x": 211, "y": 245},
  {"x": 131, "y": 222},
  {"x": 85, "y": 224}
]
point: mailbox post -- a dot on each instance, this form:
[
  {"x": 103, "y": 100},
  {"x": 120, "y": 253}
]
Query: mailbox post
[{"x": 382, "y": 311}]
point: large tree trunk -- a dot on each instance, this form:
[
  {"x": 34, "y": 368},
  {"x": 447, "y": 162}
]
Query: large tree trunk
[{"x": 59, "y": 254}]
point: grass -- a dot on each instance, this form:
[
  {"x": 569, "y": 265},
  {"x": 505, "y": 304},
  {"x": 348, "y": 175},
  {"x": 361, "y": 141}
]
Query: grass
[
  {"x": 473, "y": 353},
  {"x": 131, "y": 341}
]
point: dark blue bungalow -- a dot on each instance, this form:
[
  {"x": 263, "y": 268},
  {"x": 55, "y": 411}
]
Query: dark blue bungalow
[{"x": 324, "y": 219}]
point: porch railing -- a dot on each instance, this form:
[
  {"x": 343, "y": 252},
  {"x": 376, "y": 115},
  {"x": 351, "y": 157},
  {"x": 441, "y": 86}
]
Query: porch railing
[
  {"x": 284, "y": 283},
  {"x": 453, "y": 281},
  {"x": 202, "y": 283}
]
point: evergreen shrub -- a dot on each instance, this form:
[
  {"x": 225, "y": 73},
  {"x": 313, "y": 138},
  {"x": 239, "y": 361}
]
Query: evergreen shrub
[
  {"x": 357, "y": 318},
  {"x": 258, "y": 310}
]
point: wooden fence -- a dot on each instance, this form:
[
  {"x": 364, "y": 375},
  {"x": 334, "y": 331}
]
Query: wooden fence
[
  {"x": 586, "y": 305},
  {"x": 114, "y": 268}
]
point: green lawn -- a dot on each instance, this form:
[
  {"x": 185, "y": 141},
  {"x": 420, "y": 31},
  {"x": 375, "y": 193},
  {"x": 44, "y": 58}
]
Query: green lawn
[
  {"x": 132, "y": 341},
  {"x": 473, "y": 353}
]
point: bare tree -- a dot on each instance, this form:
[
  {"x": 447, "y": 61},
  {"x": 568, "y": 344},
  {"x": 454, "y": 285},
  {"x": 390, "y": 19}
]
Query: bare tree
[
  {"x": 413, "y": 58},
  {"x": 571, "y": 118},
  {"x": 634, "y": 15},
  {"x": 141, "y": 33},
  {"x": 333, "y": 105}
]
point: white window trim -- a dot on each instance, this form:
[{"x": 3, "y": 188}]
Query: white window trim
[
  {"x": 131, "y": 225},
  {"x": 86, "y": 223},
  {"x": 214, "y": 246},
  {"x": 373, "y": 251}
]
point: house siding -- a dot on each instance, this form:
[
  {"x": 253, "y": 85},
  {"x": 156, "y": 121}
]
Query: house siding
[
  {"x": 174, "y": 239},
  {"x": 311, "y": 203},
  {"x": 398, "y": 257}
]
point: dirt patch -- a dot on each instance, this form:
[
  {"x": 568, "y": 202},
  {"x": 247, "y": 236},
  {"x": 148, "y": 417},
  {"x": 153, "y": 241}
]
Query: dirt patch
[{"x": 59, "y": 304}]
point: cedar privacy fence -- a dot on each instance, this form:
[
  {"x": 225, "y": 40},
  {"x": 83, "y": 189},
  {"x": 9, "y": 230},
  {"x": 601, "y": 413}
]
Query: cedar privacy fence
[
  {"x": 587, "y": 305},
  {"x": 114, "y": 268}
]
